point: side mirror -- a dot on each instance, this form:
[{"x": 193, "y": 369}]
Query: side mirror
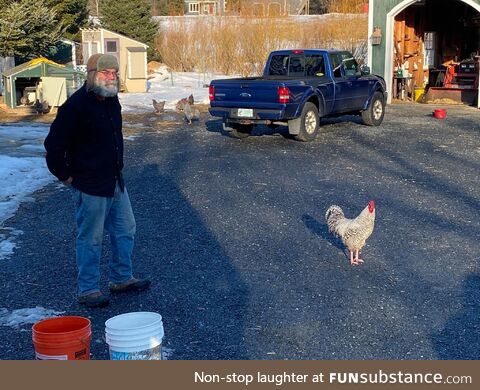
[{"x": 365, "y": 70}]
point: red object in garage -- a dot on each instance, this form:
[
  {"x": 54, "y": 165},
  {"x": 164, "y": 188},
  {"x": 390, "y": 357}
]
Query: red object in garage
[{"x": 440, "y": 113}]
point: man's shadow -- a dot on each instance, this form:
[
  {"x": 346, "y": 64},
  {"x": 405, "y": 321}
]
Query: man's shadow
[{"x": 459, "y": 339}]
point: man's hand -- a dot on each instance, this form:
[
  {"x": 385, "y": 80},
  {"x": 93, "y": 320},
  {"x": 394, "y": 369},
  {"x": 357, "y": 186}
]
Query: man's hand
[{"x": 68, "y": 182}]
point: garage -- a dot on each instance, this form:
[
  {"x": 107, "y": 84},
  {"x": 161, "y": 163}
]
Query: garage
[{"x": 427, "y": 50}]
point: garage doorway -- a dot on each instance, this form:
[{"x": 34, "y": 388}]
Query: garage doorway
[{"x": 433, "y": 51}]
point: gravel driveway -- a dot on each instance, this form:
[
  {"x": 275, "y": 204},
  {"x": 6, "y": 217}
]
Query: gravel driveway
[{"x": 232, "y": 233}]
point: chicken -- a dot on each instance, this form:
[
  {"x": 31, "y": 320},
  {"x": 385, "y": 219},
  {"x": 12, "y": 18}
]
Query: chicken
[
  {"x": 158, "y": 106},
  {"x": 190, "y": 113},
  {"x": 352, "y": 232},
  {"x": 183, "y": 101},
  {"x": 42, "y": 108}
]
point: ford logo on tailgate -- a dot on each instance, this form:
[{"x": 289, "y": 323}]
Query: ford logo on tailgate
[{"x": 245, "y": 95}]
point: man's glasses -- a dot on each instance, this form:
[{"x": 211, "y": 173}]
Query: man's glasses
[{"x": 109, "y": 73}]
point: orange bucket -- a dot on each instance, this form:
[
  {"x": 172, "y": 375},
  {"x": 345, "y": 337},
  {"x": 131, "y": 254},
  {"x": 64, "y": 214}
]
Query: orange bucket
[{"x": 62, "y": 338}]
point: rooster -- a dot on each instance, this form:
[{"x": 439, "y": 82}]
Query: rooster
[{"x": 352, "y": 232}]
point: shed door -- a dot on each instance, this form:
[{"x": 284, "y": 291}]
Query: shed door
[{"x": 136, "y": 65}]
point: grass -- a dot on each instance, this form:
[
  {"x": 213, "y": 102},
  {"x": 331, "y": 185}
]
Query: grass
[{"x": 240, "y": 45}]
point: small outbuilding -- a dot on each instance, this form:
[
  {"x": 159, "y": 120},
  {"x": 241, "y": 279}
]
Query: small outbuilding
[
  {"x": 428, "y": 48},
  {"x": 40, "y": 79},
  {"x": 131, "y": 55}
]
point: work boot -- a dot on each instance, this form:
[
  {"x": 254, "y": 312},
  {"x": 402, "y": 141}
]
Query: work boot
[
  {"x": 133, "y": 284},
  {"x": 95, "y": 299}
]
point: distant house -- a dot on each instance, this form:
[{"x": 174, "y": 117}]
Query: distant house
[
  {"x": 277, "y": 7},
  {"x": 131, "y": 55},
  {"x": 256, "y": 7},
  {"x": 211, "y": 7}
]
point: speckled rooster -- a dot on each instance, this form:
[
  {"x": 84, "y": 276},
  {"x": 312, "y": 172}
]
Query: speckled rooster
[{"x": 352, "y": 232}]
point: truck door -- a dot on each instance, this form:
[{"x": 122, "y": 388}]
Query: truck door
[
  {"x": 342, "y": 85},
  {"x": 317, "y": 75},
  {"x": 358, "y": 85}
]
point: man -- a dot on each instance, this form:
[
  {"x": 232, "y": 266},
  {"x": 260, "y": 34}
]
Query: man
[{"x": 85, "y": 151}]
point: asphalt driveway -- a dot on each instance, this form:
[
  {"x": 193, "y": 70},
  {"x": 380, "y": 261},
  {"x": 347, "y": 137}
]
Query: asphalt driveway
[{"x": 232, "y": 234}]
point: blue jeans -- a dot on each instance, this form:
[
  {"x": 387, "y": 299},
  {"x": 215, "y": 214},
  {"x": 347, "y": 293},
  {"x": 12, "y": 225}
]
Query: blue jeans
[{"x": 93, "y": 214}]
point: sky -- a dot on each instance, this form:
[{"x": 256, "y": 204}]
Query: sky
[{"x": 23, "y": 169}]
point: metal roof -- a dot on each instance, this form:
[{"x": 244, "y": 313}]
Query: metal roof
[{"x": 38, "y": 62}]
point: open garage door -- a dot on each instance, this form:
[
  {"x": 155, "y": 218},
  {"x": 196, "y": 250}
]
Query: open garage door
[{"x": 433, "y": 51}]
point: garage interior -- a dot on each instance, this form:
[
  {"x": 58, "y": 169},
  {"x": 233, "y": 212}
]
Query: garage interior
[{"x": 437, "y": 52}]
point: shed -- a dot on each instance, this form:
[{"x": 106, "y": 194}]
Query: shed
[
  {"x": 32, "y": 79},
  {"x": 131, "y": 55},
  {"x": 426, "y": 44}
]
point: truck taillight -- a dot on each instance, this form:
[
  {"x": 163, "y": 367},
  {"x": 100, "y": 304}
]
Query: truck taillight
[
  {"x": 283, "y": 94},
  {"x": 211, "y": 92}
]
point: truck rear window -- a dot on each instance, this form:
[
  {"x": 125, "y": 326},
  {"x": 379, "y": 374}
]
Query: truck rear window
[{"x": 297, "y": 65}]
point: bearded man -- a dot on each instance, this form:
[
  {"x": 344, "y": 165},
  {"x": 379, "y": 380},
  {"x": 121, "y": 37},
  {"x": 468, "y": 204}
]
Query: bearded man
[{"x": 85, "y": 152}]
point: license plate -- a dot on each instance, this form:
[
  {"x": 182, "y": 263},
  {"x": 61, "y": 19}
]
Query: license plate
[{"x": 245, "y": 112}]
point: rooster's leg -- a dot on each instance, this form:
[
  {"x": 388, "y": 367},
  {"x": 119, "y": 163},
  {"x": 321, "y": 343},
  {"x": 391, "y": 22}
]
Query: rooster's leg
[
  {"x": 357, "y": 259},
  {"x": 352, "y": 260}
]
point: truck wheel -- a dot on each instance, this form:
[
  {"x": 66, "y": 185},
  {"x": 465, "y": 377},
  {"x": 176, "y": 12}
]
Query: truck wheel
[
  {"x": 309, "y": 123},
  {"x": 240, "y": 131},
  {"x": 373, "y": 115}
]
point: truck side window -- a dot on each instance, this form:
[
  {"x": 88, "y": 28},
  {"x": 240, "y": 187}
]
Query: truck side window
[
  {"x": 350, "y": 67},
  {"x": 314, "y": 66},
  {"x": 336, "y": 62}
]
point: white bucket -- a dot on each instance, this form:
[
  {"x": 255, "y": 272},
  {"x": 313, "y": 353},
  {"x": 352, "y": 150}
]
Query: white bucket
[{"x": 135, "y": 336}]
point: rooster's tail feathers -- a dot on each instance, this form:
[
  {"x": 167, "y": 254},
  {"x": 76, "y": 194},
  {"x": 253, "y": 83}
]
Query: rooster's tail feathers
[{"x": 332, "y": 216}]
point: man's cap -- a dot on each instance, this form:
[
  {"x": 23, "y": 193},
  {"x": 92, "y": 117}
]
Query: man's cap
[{"x": 99, "y": 62}]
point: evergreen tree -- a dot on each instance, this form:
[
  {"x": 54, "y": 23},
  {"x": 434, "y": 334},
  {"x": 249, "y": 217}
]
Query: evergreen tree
[
  {"x": 131, "y": 18},
  {"x": 28, "y": 29},
  {"x": 72, "y": 15},
  {"x": 168, "y": 7}
]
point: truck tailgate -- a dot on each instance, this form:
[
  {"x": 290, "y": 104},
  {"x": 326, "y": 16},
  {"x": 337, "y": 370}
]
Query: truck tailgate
[{"x": 248, "y": 93}]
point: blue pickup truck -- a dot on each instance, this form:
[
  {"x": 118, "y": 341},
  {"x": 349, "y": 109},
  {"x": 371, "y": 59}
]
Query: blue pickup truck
[{"x": 298, "y": 87}]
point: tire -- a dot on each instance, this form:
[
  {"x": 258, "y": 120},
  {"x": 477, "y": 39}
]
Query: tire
[
  {"x": 308, "y": 123},
  {"x": 373, "y": 115}
]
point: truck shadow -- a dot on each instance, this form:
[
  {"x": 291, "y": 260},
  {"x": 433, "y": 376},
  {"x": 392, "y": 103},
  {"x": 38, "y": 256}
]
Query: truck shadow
[{"x": 215, "y": 126}]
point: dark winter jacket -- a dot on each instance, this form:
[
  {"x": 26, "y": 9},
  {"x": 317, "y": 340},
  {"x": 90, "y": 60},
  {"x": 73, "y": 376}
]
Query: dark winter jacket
[{"x": 85, "y": 142}]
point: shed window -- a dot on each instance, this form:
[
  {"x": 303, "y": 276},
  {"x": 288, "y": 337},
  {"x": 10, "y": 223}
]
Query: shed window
[
  {"x": 111, "y": 46},
  {"x": 93, "y": 48}
]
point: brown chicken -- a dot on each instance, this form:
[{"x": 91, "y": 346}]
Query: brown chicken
[{"x": 352, "y": 232}]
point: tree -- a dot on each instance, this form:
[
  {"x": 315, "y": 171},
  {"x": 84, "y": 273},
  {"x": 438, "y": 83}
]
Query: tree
[
  {"x": 130, "y": 18},
  {"x": 28, "y": 29},
  {"x": 72, "y": 15},
  {"x": 167, "y": 7}
]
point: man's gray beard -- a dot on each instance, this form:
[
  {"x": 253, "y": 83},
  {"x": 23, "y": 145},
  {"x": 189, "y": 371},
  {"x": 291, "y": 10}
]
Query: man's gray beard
[{"x": 101, "y": 88}]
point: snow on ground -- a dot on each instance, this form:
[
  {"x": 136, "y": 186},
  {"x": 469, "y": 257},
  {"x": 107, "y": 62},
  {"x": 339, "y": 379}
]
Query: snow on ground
[
  {"x": 18, "y": 317},
  {"x": 171, "y": 87},
  {"x": 22, "y": 171}
]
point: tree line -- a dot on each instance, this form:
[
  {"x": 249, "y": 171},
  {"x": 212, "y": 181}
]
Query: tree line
[{"x": 31, "y": 29}]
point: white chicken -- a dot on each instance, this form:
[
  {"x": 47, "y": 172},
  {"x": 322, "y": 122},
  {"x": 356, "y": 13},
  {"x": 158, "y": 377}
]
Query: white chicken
[{"x": 352, "y": 232}]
